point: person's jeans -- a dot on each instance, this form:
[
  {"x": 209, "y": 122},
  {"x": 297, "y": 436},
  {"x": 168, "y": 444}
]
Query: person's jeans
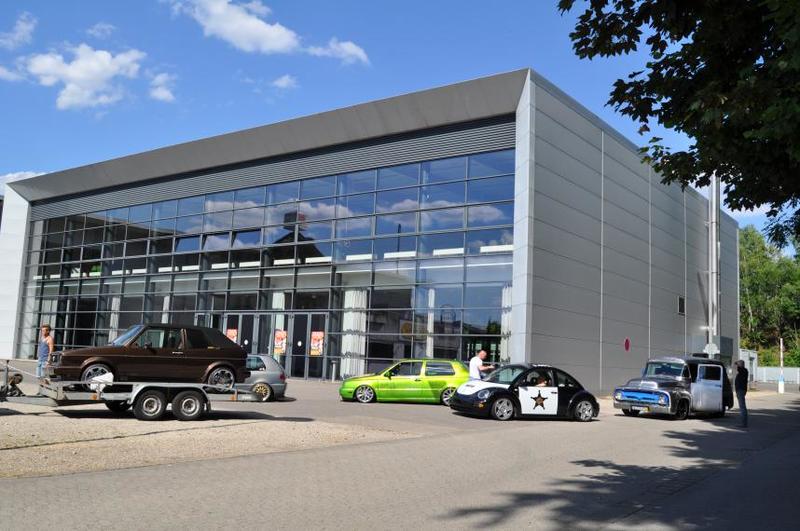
[
  {"x": 742, "y": 407},
  {"x": 40, "y": 367}
]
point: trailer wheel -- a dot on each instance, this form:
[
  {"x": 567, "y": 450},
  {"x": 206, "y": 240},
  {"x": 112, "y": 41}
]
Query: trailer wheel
[
  {"x": 188, "y": 405},
  {"x": 118, "y": 406},
  {"x": 150, "y": 405}
]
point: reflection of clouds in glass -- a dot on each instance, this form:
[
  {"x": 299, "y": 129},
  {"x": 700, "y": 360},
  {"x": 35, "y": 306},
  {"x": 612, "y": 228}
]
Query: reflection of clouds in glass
[
  {"x": 317, "y": 209},
  {"x": 405, "y": 204},
  {"x": 247, "y": 204},
  {"x": 486, "y": 214},
  {"x": 441, "y": 203},
  {"x": 248, "y": 218},
  {"x": 503, "y": 237},
  {"x": 443, "y": 219}
]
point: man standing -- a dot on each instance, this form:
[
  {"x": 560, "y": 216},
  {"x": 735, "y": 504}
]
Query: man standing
[
  {"x": 476, "y": 365},
  {"x": 742, "y": 380},
  {"x": 46, "y": 347}
]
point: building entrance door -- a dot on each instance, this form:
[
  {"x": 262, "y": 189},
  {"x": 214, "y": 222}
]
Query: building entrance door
[
  {"x": 307, "y": 345},
  {"x": 242, "y": 329}
]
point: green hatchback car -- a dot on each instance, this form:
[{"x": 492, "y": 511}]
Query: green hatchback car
[{"x": 429, "y": 380}]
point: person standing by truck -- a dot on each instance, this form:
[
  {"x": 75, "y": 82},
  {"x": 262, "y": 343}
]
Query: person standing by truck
[
  {"x": 46, "y": 347},
  {"x": 740, "y": 385}
]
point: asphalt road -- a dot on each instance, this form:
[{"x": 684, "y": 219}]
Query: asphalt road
[{"x": 455, "y": 473}]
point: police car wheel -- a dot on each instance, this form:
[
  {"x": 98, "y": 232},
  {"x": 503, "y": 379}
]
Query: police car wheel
[
  {"x": 502, "y": 409},
  {"x": 630, "y": 412},
  {"x": 583, "y": 411}
]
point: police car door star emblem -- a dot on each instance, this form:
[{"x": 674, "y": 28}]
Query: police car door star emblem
[{"x": 539, "y": 401}]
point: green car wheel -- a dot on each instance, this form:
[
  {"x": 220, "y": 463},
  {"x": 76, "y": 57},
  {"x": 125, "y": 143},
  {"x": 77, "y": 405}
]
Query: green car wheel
[
  {"x": 447, "y": 395},
  {"x": 364, "y": 394}
]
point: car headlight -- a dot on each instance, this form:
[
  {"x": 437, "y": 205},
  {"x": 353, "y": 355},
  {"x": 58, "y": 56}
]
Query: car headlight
[
  {"x": 662, "y": 400},
  {"x": 483, "y": 394},
  {"x": 618, "y": 395}
]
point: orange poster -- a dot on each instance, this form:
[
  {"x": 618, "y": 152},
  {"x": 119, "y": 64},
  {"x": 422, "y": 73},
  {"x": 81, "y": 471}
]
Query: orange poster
[
  {"x": 317, "y": 340},
  {"x": 279, "y": 345}
]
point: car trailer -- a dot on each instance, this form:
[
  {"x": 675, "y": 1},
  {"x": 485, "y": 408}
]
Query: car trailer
[{"x": 149, "y": 400}]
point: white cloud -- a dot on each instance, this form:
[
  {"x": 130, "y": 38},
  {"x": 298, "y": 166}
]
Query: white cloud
[
  {"x": 101, "y": 30},
  {"x": 161, "y": 87},
  {"x": 9, "y": 75},
  {"x": 22, "y": 33},
  {"x": 243, "y": 25},
  {"x": 88, "y": 80},
  {"x": 15, "y": 176},
  {"x": 240, "y": 25},
  {"x": 286, "y": 81},
  {"x": 347, "y": 51}
]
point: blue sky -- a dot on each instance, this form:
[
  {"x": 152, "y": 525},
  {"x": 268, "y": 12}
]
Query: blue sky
[{"x": 82, "y": 82}]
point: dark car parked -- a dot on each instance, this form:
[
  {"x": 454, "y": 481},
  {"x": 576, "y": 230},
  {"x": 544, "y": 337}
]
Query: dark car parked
[
  {"x": 516, "y": 391},
  {"x": 164, "y": 352}
]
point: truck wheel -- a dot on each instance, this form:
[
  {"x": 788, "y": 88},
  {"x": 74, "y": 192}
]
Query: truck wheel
[
  {"x": 682, "y": 411},
  {"x": 150, "y": 405},
  {"x": 630, "y": 413},
  {"x": 118, "y": 406},
  {"x": 188, "y": 405}
]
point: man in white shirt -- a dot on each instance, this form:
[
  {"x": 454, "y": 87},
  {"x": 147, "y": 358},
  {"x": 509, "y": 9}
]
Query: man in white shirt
[{"x": 476, "y": 365}]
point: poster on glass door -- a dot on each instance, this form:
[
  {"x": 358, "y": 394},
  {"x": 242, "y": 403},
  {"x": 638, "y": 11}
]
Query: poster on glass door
[
  {"x": 317, "y": 339},
  {"x": 279, "y": 344}
]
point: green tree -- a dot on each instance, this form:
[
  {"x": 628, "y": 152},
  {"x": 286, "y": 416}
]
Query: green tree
[
  {"x": 726, "y": 74},
  {"x": 769, "y": 298}
]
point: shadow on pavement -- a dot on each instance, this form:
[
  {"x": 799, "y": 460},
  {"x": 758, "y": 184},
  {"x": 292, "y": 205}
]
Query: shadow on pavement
[
  {"x": 607, "y": 491},
  {"x": 79, "y": 414}
]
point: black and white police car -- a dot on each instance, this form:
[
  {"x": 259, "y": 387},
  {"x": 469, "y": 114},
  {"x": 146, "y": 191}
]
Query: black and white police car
[{"x": 526, "y": 391}]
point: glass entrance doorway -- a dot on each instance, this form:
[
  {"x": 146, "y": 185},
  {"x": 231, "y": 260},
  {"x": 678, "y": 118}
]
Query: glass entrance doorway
[
  {"x": 307, "y": 345},
  {"x": 242, "y": 329},
  {"x": 298, "y": 341}
]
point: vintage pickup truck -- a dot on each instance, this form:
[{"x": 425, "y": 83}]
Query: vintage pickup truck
[{"x": 677, "y": 387}]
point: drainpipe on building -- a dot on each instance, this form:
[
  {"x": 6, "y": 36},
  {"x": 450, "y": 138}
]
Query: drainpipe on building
[{"x": 713, "y": 331}]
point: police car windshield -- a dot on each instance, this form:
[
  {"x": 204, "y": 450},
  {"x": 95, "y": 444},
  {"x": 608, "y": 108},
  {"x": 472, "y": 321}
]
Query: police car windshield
[
  {"x": 663, "y": 368},
  {"x": 505, "y": 375}
]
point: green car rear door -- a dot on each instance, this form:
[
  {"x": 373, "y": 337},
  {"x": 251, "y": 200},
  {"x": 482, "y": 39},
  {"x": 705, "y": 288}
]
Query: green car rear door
[{"x": 438, "y": 376}]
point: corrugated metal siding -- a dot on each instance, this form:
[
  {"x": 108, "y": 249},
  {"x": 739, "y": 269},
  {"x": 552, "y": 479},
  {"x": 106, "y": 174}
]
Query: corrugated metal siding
[{"x": 472, "y": 138}]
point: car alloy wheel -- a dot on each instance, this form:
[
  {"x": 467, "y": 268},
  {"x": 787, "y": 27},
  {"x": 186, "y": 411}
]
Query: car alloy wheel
[
  {"x": 584, "y": 411},
  {"x": 262, "y": 391},
  {"x": 93, "y": 371},
  {"x": 503, "y": 409},
  {"x": 364, "y": 394},
  {"x": 222, "y": 377},
  {"x": 447, "y": 395}
]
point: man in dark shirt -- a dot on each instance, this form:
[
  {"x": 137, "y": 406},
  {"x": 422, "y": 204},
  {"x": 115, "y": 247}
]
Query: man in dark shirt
[{"x": 742, "y": 379}]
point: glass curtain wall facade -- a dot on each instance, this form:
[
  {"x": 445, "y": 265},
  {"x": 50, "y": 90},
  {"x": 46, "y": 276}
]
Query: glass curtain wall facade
[{"x": 333, "y": 276}]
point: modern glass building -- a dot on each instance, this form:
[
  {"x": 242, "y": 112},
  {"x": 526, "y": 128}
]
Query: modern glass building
[{"x": 494, "y": 214}]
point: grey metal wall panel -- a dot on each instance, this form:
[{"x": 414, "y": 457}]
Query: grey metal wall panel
[
  {"x": 568, "y": 193},
  {"x": 565, "y": 217},
  {"x": 565, "y": 270},
  {"x": 566, "y": 244},
  {"x": 558, "y": 135},
  {"x": 559, "y": 112},
  {"x": 422, "y": 146},
  {"x": 567, "y": 167},
  {"x": 566, "y": 297}
]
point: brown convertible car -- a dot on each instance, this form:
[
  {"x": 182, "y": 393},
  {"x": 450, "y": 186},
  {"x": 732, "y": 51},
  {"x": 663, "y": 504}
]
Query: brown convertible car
[{"x": 164, "y": 352}]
